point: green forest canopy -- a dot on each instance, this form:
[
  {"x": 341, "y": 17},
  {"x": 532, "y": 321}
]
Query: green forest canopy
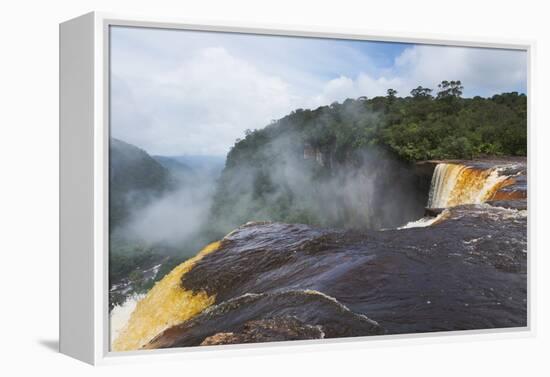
[{"x": 417, "y": 127}]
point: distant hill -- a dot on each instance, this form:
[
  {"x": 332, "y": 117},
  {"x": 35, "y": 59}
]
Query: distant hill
[
  {"x": 209, "y": 165},
  {"x": 178, "y": 169},
  {"x": 135, "y": 179}
]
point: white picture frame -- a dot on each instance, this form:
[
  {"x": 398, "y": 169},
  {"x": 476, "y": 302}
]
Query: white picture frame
[{"x": 84, "y": 137}]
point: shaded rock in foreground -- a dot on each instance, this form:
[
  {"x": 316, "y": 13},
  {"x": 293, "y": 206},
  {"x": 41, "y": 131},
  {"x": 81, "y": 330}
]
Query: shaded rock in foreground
[
  {"x": 268, "y": 317},
  {"x": 467, "y": 272},
  {"x": 267, "y": 330}
]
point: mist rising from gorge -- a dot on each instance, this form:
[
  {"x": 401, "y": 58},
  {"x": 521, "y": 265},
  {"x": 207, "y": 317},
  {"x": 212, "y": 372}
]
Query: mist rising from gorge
[
  {"x": 289, "y": 181},
  {"x": 275, "y": 174},
  {"x": 159, "y": 202},
  {"x": 174, "y": 218}
]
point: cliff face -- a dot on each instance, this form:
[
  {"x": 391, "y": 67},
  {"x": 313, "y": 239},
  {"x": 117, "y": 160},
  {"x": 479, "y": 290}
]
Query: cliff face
[
  {"x": 323, "y": 159},
  {"x": 292, "y": 184}
]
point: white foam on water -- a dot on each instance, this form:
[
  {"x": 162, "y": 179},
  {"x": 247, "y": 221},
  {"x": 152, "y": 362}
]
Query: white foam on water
[
  {"x": 491, "y": 181},
  {"x": 423, "y": 222},
  {"x": 120, "y": 315}
]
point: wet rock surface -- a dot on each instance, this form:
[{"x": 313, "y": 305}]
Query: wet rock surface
[
  {"x": 520, "y": 205},
  {"x": 267, "y": 330},
  {"x": 276, "y": 281},
  {"x": 467, "y": 271},
  {"x": 275, "y": 316}
]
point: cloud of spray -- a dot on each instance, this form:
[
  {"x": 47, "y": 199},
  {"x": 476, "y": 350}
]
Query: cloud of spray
[
  {"x": 167, "y": 214},
  {"x": 277, "y": 181},
  {"x": 174, "y": 218},
  {"x": 368, "y": 189}
]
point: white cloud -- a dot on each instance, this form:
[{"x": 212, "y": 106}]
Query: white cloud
[
  {"x": 195, "y": 93},
  {"x": 364, "y": 85},
  {"x": 482, "y": 71},
  {"x": 202, "y": 106}
]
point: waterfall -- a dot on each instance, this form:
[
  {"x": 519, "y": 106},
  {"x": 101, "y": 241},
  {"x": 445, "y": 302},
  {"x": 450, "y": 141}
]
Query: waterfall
[
  {"x": 165, "y": 305},
  {"x": 455, "y": 184},
  {"x": 119, "y": 316}
]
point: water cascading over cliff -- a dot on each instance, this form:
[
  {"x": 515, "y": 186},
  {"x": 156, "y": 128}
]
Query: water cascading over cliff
[
  {"x": 455, "y": 184},
  {"x": 165, "y": 305}
]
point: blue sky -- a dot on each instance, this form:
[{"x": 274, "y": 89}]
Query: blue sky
[{"x": 179, "y": 92}]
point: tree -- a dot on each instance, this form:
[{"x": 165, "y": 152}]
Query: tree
[
  {"x": 421, "y": 92},
  {"x": 391, "y": 93},
  {"x": 450, "y": 89}
]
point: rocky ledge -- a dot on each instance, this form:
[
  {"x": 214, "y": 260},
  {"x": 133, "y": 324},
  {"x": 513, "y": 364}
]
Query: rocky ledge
[{"x": 274, "y": 281}]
